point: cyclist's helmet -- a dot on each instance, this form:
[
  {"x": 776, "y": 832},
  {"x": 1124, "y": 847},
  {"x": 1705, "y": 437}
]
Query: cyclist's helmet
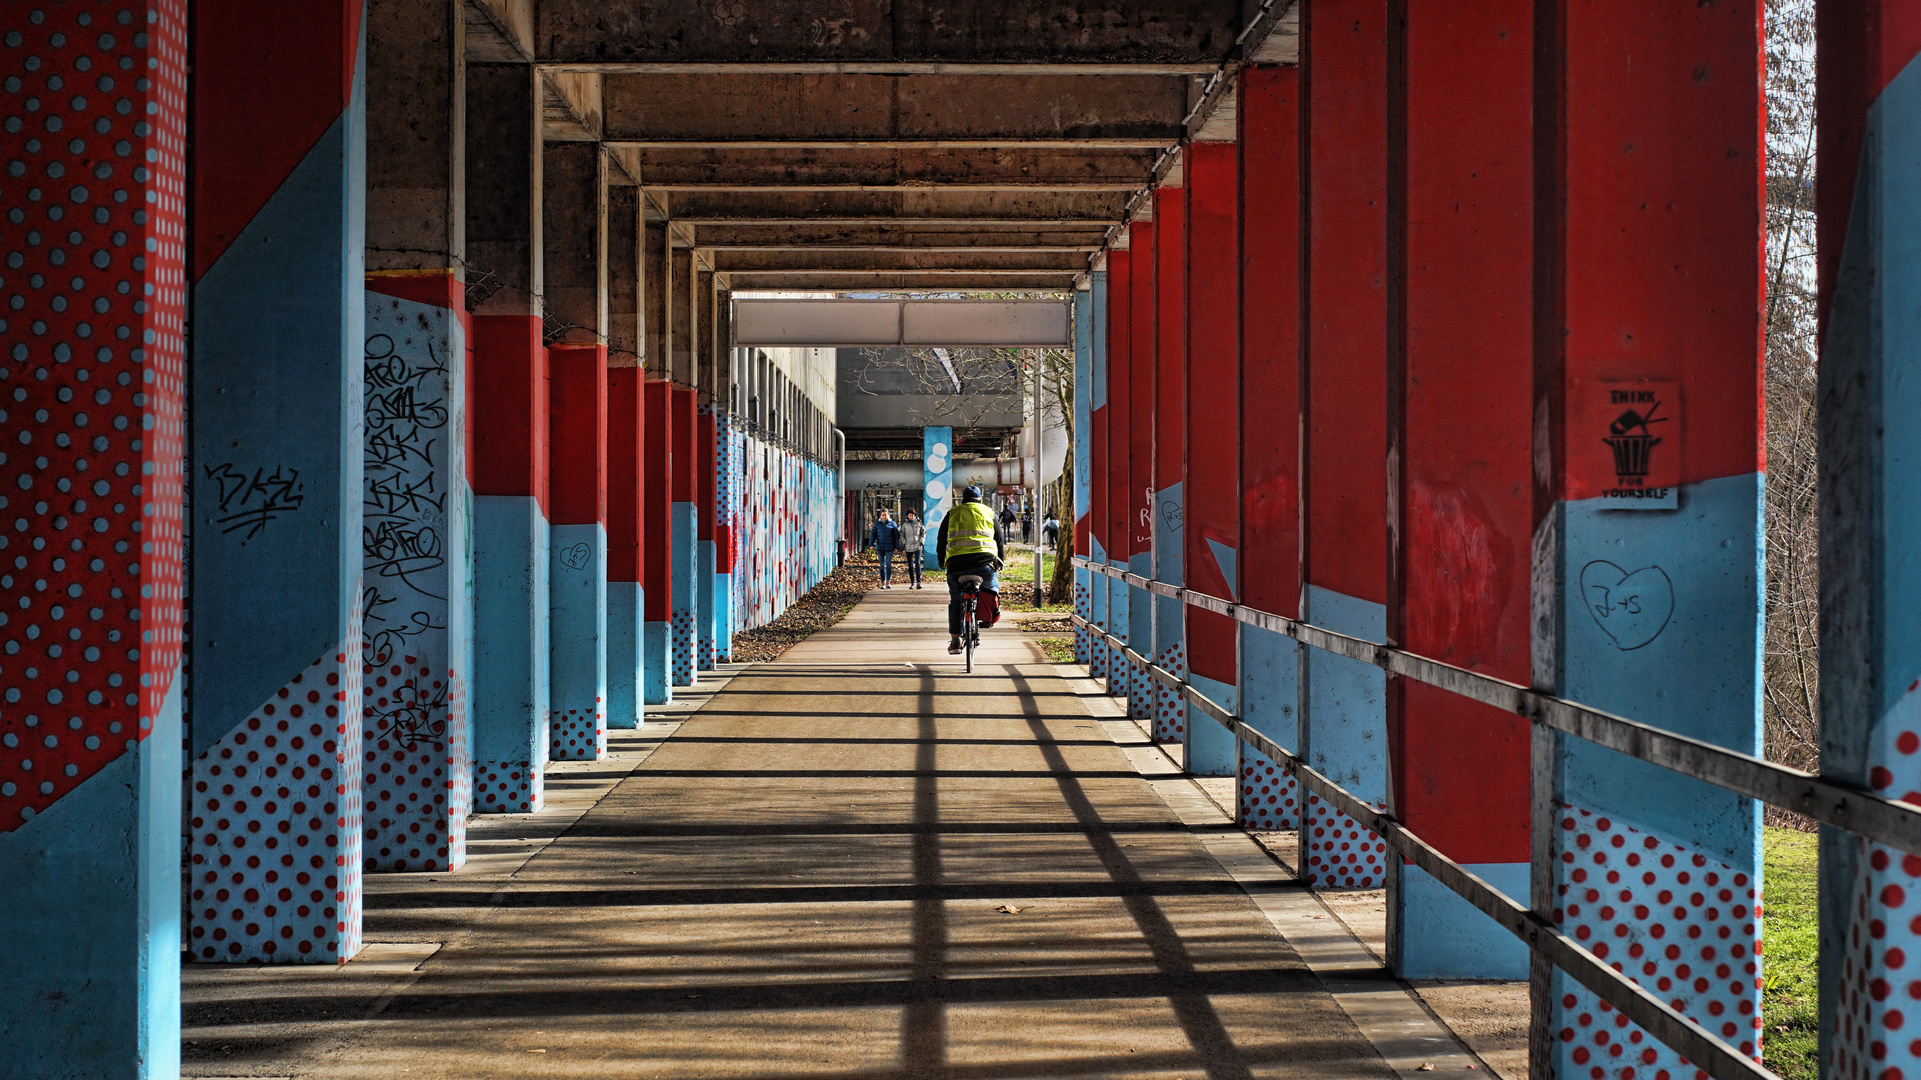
[{"x": 971, "y": 493}]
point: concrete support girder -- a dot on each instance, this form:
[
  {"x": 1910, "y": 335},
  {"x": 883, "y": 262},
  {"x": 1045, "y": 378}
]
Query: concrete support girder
[
  {"x": 499, "y": 31},
  {"x": 763, "y": 165},
  {"x": 925, "y": 280},
  {"x": 881, "y": 234},
  {"x": 1066, "y": 261},
  {"x": 998, "y": 31},
  {"x": 908, "y": 204},
  {"x": 832, "y": 106}
]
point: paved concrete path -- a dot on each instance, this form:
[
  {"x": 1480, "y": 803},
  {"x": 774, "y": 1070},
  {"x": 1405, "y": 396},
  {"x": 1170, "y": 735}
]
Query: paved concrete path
[{"x": 854, "y": 863}]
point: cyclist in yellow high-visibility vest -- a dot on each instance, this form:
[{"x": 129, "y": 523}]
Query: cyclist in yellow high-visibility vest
[{"x": 971, "y": 542}]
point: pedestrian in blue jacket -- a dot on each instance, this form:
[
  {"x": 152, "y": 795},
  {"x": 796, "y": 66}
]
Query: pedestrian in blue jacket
[{"x": 886, "y": 542}]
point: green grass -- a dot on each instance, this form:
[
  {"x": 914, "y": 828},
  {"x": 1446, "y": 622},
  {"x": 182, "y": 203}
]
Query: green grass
[{"x": 1790, "y": 936}]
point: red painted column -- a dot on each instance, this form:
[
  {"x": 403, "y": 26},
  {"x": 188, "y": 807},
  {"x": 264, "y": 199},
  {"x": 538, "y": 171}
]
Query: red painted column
[
  {"x": 1140, "y": 462},
  {"x": 707, "y": 485},
  {"x": 657, "y": 538},
  {"x": 1344, "y": 57},
  {"x": 685, "y": 470},
  {"x": 1115, "y": 478},
  {"x": 577, "y": 389},
  {"x": 1090, "y": 529},
  {"x": 1166, "y": 502},
  {"x": 1269, "y": 247},
  {"x": 1212, "y": 510},
  {"x": 1460, "y": 409},
  {"x": 626, "y": 526}
]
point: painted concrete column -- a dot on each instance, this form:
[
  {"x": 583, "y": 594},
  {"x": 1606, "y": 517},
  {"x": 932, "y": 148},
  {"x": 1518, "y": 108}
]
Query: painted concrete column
[
  {"x": 727, "y": 468},
  {"x": 574, "y": 244},
  {"x": 657, "y": 543},
  {"x": 1344, "y": 712},
  {"x": 685, "y": 476},
  {"x": 1212, "y": 433},
  {"x": 937, "y": 477},
  {"x": 1870, "y": 549},
  {"x": 1142, "y": 324},
  {"x": 1167, "y": 508},
  {"x": 276, "y": 506},
  {"x": 416, "y": 646},
  {"x": 1083, "y": 315},
  {"x": 1268, "y": 111},
  {"x": 1117, "y": 476},
  {"x": 706, "y": 485},
  {"x": 626, "y": 511},
  {"x": 1460, "y": 427},
  {"x": 90, "y": 734},
  {"x": 1647, "y": 536},
  {"x": 509, "y": 703}
]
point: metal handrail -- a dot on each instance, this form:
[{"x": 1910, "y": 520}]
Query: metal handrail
[
  {"x": 1856, "y": 810},
  {"x": 1696, "y": 1044}
]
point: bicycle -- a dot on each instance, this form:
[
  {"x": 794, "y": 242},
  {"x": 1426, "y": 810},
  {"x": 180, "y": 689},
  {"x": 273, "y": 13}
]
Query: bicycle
[{"x": 970, "y": 590}]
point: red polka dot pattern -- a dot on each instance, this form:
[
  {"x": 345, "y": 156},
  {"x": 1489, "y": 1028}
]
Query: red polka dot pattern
[
  {"x": 276, "y": 819},
  {"x": 1878, "y": 988},
  {"x": 683, "y": 636},
  {"x": 507, "y": 787},
  {"x": 92, "y": 105},
  {"x": 1170, "y": 707},
  {"x": 1679, "y": 923},
  {"x": 1341, "y": 854},
  {"x": 579, "y": 735},
  {"x": 418, "y": 781},
  {"x": 1269, "y": 794},
  {"x": 1084, "y": 652}
]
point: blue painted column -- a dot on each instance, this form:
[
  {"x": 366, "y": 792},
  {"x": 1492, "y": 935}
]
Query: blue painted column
[
  {"x": 686, "y": 519},
  {"x": 1648, "y": 516},
  {"x": 1111, "y": 425},
  {"x": 1167, "y": 505},
  {"x": 90, "y": 728},
  {"x": 657, "y": 543},
  {"x": 626, "y": 525},
  {"x": 277, "y": 372},
  {"x": 1141, "y": 690},
  {"x": 1270, "y": 405},
  {"x": 727, "y": 446},
  {"x": 1870, "y": 251},
  {"x": 577, "y": 576},
  {"x": 509, "y": 707},
  {"x": 706, "y": 569},
  {"x": 1083, "y": 459},
  {"x": 937, "y": 477}
]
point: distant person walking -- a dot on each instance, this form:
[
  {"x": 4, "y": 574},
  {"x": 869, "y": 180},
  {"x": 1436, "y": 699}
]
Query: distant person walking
[
  {"x": 1051, "y": 532},
  {"x": 1027, "y": 525},
  {"x": 913, "y": 541},
  {"x": 886, "y": 542},
  {"x": 1008, "y": 517}
]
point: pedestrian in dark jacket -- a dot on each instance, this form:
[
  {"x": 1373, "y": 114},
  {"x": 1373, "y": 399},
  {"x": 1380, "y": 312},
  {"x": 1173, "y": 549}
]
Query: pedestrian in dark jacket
[{"x": 886, "y": 542}]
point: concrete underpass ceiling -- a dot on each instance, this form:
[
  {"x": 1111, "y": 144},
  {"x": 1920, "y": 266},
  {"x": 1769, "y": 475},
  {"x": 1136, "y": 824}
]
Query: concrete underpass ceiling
[{"x": 888, "y": 145}]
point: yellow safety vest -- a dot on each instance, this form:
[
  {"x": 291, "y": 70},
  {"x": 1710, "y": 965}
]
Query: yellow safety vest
[{"x": 970, "y": 531}]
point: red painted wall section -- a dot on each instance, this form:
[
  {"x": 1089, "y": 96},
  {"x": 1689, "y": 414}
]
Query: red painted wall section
[
  {"x": 266, "y": 88},
  {"x": 510, "y": 407},
  {"x": 1462, "y": 379},
  {"x": 1170, "y": 335},
  {"x": 577, "y": 389},
  {"x": 1213, "y": 421},
  {"x": 626, "y": 510},
  {"x": 657, "y": 492},
  {"x": 1863, "y": 46},
  {"x": 1140, "y": 380},
  {"x": 1346, "y": 489},
  {"x": 1120, "y": 352},
  {"x": 705, "y": 464},
  {"x": 686, "y": 444},
  {"x": 1270, "y": 380},
  {"x": 1661, "y": 259}
]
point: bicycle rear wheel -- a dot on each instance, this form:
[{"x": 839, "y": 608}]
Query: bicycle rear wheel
[{"x": 967, "y": 640}]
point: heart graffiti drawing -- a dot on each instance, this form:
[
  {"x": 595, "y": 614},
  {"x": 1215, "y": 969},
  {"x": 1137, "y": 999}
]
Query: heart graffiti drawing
[
  {"x": 576, "y": 557},
  {"x": 1631, "y": 608}
]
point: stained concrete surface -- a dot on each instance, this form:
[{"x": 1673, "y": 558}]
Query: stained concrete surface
[{"x": 856, "y": 862}]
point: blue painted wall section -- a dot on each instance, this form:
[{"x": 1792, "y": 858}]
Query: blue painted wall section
[
  {"x": 686, "y": 591},
  {"x": 276, "y": 510},
  {"x": 90, "y": 732},
  {"x": 577, "y": 645},
  {"x": 937, "y": 476},
  {"x": 626, "y": 631},
  {"x": 1083, "y": 464},
  {"x": 1344, "y": 735},
  {"x": 510, "y": 707},
  {"x": 1271, "y": 664}
]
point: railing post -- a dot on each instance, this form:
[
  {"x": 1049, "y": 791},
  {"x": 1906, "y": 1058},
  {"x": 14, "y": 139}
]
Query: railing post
[
  {"x": 1870, "y": 394},
  {"x": 1210, "y": 528},
  {"x": 1460, "y": 459},
  {"x": 1269, "y": 114},
  {"x": 1648, "y": 491},
  {"x": 1167, "y": 497},
  {"x": 1343, "y": 701}
]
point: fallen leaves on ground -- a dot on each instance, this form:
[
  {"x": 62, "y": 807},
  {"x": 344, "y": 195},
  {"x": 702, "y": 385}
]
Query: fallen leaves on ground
[{"x": 823, "y": 605}]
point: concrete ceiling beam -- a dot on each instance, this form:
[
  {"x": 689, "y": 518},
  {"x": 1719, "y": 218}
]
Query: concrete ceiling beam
[
  {"x": 878, "y": 236},
  {"x": 499, "y": 31},
  {"x": 986, "y": 31},
  {"x": 898, "y": 281},
  {"x": 788, "y": 168},
  {"x": 571, "y": 109},
  {"x": 905, "y": 204},
  {"x": 818, "y": 259},
  {"x": 831, "y": 108}
]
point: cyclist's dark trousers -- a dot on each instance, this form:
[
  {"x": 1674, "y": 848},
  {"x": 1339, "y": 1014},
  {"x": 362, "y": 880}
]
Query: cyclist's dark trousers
[
  {"x": 957, "y": 568},
  {"x": 912, "y": 559}
]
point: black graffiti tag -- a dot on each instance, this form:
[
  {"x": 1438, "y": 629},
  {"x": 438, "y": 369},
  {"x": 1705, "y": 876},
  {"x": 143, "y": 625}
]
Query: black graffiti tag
[{"x": 250, "y": 502}]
